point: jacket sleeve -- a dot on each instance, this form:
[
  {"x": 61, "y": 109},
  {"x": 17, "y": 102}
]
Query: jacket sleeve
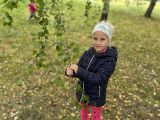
[
  {"x": 79, "y": 63},
  {"x": 103, "y": 74},
  {"x": 81, "y": 59}
]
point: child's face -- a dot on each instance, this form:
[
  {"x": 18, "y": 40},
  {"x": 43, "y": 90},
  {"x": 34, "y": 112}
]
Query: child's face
[{"x": 100, "y": 41}]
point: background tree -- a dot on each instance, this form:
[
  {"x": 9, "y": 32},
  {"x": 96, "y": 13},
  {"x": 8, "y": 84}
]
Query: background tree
[
  {"x": 150, "y": 8},
  {"x": 105, "y": 11}
]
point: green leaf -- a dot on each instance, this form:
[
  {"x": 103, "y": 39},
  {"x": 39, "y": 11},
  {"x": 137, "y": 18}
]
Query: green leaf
[
  {"x": 34, "y": 52},
  {"x": 4, "y": 1},
  {"x": 42, "y": 53}
]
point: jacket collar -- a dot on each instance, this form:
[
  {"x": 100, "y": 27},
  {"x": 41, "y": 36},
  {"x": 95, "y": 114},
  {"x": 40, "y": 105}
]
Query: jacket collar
[{"x": 111, "y": 52}]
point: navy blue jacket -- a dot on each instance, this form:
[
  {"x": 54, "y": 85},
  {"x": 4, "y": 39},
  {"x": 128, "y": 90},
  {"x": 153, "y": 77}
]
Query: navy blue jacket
[{"x": 95, "y": 69}]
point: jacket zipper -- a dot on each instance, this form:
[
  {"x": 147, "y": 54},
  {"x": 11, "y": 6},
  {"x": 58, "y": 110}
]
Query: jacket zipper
[
  {"x": 83, "y": 81},
  {"x": 90, "y": 62},
  {"x": 99, "y": 91}
]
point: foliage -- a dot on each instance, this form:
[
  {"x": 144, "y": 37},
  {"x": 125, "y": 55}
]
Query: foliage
[
  {"x": 28, "y": 93},
  {"x": 10, "y": 5},
  {"x": 42, "y": 19},
  {"x": 87, "y": 7}
]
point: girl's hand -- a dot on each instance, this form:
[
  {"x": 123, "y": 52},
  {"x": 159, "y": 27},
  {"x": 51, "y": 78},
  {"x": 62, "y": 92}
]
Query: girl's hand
[
  {"x": 74, "y": 67},
  {"x": 69, "y": 71}
]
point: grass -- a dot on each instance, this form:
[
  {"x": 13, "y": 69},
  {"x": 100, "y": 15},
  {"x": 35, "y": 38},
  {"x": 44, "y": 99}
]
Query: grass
[{"x": 133, "y": 90}]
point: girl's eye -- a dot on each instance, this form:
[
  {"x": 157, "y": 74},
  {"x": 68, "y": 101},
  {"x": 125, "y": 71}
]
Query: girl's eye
[
  {"x": 102, "y": 39},
  {"x": 94, "y": 38}
]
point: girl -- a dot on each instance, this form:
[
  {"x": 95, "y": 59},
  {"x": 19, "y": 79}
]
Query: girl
[
  {"x": 32, "y": 9},
  {"x": 94, "y": 70}
]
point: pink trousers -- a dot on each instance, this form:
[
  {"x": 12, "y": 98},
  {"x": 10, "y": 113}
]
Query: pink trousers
[{"x": 95, "y": 115}]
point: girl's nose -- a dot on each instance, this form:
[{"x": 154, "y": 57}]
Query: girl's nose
[{"x": 98, "y": 41}]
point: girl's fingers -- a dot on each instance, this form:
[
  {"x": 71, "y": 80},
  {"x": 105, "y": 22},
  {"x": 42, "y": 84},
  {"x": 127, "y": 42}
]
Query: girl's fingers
[
  {"x": 69, "y": 65},
  {"x": 69, "y": 71}
]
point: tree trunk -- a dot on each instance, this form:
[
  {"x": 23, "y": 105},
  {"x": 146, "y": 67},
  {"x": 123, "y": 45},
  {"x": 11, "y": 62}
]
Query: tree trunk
[
  {"x": 150, "y": 8},
  {"x": 105, "y": 11}
]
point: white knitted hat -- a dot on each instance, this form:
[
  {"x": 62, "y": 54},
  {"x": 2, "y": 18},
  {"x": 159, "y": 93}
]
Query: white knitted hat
[{"x": 104, "y": 27}]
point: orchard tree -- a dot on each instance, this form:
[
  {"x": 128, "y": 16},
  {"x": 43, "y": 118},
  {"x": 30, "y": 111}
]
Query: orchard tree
[
  {"x": 105, "y": 11},
  {"x": 150, "y": 8}
]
